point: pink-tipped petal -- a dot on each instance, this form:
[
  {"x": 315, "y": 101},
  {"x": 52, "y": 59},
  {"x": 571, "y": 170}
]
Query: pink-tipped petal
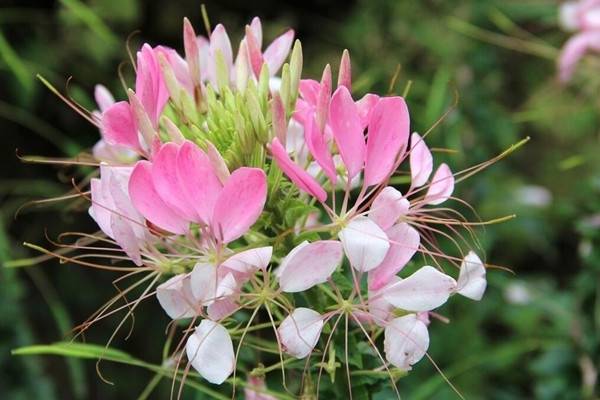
[
  {"x": 441, "y": 187},
  {"x": 471, "y": 278},
  {"x": 388, "y": 136},
  {"x": 421, "y": 161},
  {"x": 192, "y": 51},
  {"x": 365, "y": 243},
  {"x": 256, "y": 28},
  {"x": 296, "y": 174},
  {"x": 300, "y": 331},
  {"x": 176, "y": 298},
  {"x": 424, "y": 290},
  {"x": 200, "y": 186},
  {"x": 118, "y": 126},
  {"x": 309, "y": 264},
  {"x": 318, "y": 147},
  {"x": 323, "y": 98},
  {"x": 347, "y": 130},
  {"x": 147, "y": 201},
  {"x": 219, "y": 41},
  {"x": 404, "y": 241},
  {"x": 166, "y": 181},
  {"x": 387, "y": 207},
  {"x": 406, "y": 341},
  {"x": 210, "y": 351},
  {"x": 255, "y": 56},
  {"x": 150, "y": 86},
  {"x": 345, "y": 73},
  {"x": 103, "y": 97},
  {"x": 239, "y": 204},
  {"x": 278, "y": 51},
  {"x": 249, "y": 261}
]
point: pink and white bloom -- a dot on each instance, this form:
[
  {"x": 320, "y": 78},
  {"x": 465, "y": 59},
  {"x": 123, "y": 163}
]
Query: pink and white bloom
[{"x": 583, "y": 17}]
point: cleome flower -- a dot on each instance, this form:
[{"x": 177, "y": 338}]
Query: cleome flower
[{"x": 260, "y": 208}]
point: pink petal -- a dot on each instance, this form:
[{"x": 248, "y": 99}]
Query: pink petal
[
  {"x": 299, "y": 332},
  {"x": 175, "y": 297},
  {"x": 296, "y": 174},
  {"x": 347, "y": 130},
  {"x": 421, "y": 161},
  {"x": 167, "y": 183},
  {"x": 441, "y": 187},
  {"x": 365, "y": 107},
  {"x": 424, "y": 290},
  {"x": 103, "y": 97},
  {"x": 323, "y": 98},
  {"x": 387, "y": 207},
  {"x": 149, "y": 84},
  {"x": 256, "y": 28},
  {"x": 309, "y": 264},
  {"x": 179, "y": 66},
  {"x": 404, "y": 240},
  {"x": 309, "y": 90},
  {"x": 317, "y": 144},
  {"x": 239, "y": 204},
  {"x": 222, "y": 308},
  {"x": 365, "y": 243},
  {"x": 199, "y": 183},
  {"x": 406, "y": 341},
  {"x": 146, "y": 200},
  {"x": 192, "y": 51},
  {"x": 278, "y": 51},
  {"x": 388, "y": 136},
  {"x": 574, "y": 50},
  {"x": 254, "y": 52},
  {"x": 218, "y": 163},
  {"x": 210, "y": 351},
  {"x": 471, "y": 279},
  {"x": 345, "y": 73},
  {"x": 119, "y": 127}
]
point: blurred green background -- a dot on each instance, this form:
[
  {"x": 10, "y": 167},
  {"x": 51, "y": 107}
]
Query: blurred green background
[{"x": 536, "y": 334}]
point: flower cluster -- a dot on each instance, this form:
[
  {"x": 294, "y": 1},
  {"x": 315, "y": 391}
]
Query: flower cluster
[
  {"x": 241, "y": 192},
  {"x": 582, "y": 17}
]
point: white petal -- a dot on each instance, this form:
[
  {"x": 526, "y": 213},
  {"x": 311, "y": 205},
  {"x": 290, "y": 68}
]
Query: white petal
[
  {"x": 210, "y": 351},
  {"x": 204, "y": 282},
  {"x": 421, "y": 161},
  {"x": 424, "y": 290},
  {"x": 176, "y": 298},
  {"x": 311, "y": 264},
  {"x": 406, "y": 341},
  {"x": 300, "y": 331},
  {"x": 471, "y": 279},
  {"x": 388, "y": 206},
  {"x": 247, "y": 262},
  {"x": 365, "y": 243}
]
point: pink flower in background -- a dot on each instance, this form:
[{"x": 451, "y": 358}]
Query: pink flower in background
[{"x": 582, "y": 17}]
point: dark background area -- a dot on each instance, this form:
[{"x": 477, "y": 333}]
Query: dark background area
[{"x": 535, "y": 333}]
